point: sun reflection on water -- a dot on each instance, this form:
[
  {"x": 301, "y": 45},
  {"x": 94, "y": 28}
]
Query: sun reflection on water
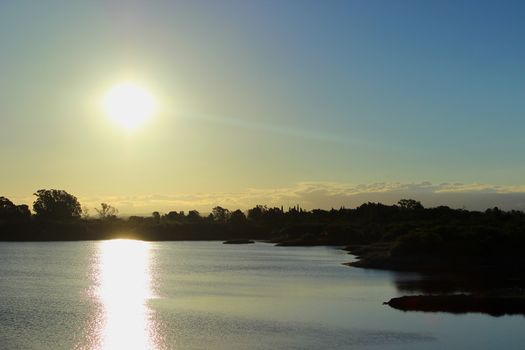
[{"x": 123, "y": 287}]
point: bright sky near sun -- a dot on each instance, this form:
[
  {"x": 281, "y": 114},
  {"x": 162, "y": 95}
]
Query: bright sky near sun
[
  {"x": 256, "y": 97},
  {"x": 129, "y": 105}
]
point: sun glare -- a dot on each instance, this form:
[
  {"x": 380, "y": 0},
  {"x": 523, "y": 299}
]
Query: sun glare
[
  {"x": 129, "y": 105},
  {"x": 124, "y": 286}
]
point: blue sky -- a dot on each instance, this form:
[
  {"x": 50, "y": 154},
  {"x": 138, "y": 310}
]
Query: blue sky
[{"x": 263, "y": 95}]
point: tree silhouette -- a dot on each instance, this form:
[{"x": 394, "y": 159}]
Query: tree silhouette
[
  {"x": 23, "y": 212},
  {"x": 56, "y": 205},
  {"x": 106, "y": 211},
  {"x": 220, "y": 214},
  {"x": 7, "y": 208},
  {"x": 156, "y": 217},
  {"x": 237, "y": 217},
  {"x": 410, "y": 204},
  {"x": 174, "y": 216},
  {"x": 10, "y": 211},
  {"x": 257, "y": 213},
  {"x": 85, "y": 212},
  {"x": 193, "y": 215}
]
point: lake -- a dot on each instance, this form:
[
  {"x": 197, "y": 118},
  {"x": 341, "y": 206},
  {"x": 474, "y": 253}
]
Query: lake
[{"x": 205, "y": 295}]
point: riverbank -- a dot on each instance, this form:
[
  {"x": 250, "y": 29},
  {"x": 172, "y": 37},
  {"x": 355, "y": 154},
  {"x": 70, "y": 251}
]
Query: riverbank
[{"x": 456, "y": 285}]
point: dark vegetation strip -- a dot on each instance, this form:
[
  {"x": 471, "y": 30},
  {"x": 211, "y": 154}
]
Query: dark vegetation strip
[
  {"x": 493, "y": 305},
  {"x": 405, "y": 236}
]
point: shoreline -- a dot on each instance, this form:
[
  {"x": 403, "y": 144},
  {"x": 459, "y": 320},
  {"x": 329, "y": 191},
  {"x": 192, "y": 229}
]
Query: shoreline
[{"x": 496, "y": 304}]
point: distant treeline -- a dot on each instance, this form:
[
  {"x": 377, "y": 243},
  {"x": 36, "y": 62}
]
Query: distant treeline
[{"x": 403, "y": 229}]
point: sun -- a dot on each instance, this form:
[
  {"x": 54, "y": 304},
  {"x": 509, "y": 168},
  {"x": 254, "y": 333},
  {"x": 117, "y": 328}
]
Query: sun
[{"x": 129, "y": 105}]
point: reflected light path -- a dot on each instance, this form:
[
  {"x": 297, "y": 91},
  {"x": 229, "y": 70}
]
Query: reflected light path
[{"x": 123, "y": 287}]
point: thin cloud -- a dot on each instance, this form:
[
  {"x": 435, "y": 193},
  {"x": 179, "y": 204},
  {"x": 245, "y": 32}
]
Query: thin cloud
[
  {"x": 334, "y": 195},
  {"x": 326, "y": 195}
]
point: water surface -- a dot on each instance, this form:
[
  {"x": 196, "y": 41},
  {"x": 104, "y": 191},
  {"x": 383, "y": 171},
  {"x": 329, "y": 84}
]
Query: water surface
[{"x": 206, "y": 295}]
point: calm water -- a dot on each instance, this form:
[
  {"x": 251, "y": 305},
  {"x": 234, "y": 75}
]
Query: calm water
[{"x": 206, "y": 295}]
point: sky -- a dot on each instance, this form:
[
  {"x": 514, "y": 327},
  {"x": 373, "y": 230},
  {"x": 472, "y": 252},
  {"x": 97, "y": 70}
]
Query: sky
[{"x": 318, "y": 103}]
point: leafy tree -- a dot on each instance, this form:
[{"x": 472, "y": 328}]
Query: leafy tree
[
  {"x": 56, "y": 205},
  {"x": 6, "y": 207},
  {"x": 174, "y": 216},
  {"x": 106, "y": 211},
  {"x": 156, "y": 217},
  {"x": 220, "y": 214},
  {"x": 23, "y": 212},
  {"x": 11, "y": 211},
  {"x": 193, "y": 215},
  {"x": 257, "y": 213},
  {"x": 237, "y": 217},
  {"x": 410, "y": 204}
]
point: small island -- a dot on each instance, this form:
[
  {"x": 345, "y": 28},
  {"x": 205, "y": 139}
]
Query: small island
[
  {"x": 495, "y": 305},
  {"x": 239, "y": 241}
]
